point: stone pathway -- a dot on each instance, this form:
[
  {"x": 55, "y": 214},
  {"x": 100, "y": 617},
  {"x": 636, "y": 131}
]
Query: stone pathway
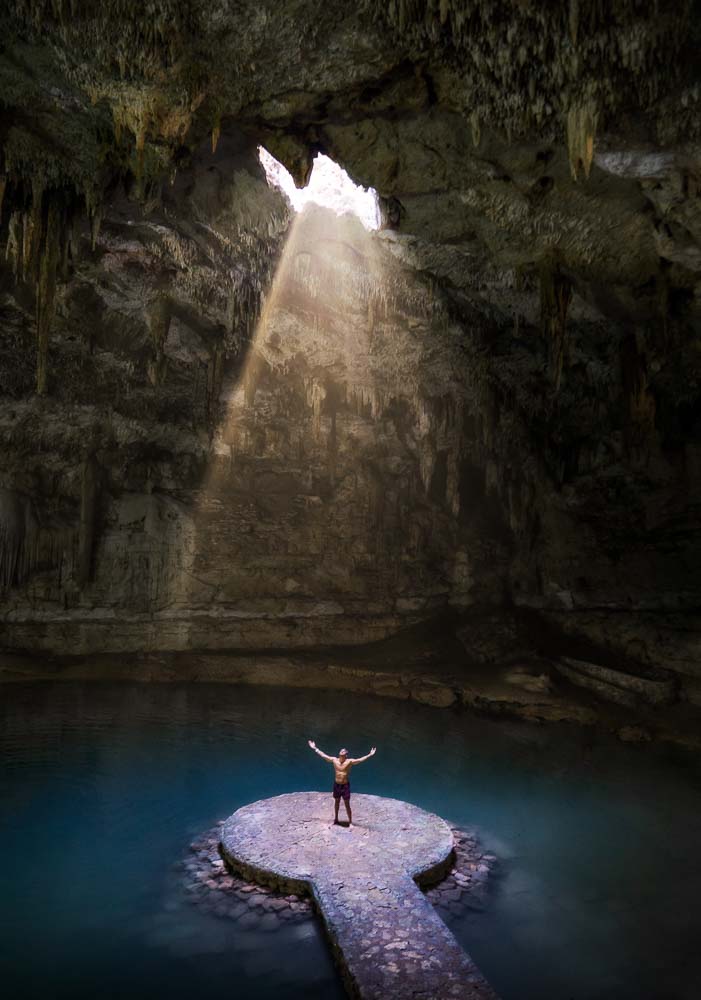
[{"x": 388, "y": 938}]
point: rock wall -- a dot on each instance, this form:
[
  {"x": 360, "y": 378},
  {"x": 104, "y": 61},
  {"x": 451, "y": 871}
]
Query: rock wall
[{"x": 334, "y": 499}]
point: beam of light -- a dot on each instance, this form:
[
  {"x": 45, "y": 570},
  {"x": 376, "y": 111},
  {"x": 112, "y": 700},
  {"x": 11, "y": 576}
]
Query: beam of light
[
  {"x": 329, "y": 186},
  {"x": 260, "y": 547}
]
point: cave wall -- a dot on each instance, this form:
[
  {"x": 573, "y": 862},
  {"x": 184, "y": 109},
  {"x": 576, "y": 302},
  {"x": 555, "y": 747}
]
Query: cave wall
[
  {"x": 498, "y": 403},
  {"x": 320, "y": 481}
]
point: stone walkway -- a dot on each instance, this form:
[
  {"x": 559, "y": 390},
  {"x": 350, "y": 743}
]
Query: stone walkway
[{"x": 387, "y": 937}]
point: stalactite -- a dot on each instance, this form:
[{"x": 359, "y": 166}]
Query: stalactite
[
  {"x": 93, "y": 208},
  {"x": 639, "y": 401},
  {"x": 38, "y": 248},
  {"x": 34, "y": 231},
  {"x": 89, "y": 497},
  {"x": 141, "y": 131},
  {"x": 46, "y": 292},
  {"x": 555, "y": 295},
  {"x": 67, "y": 245},
  {"x": 216, "y": 132},
  {"x": 476, "y": 128},
  {"x": 27, "y": 241},
  {"x": 12, "y": 534},
  {"x": 581, "y": 130},
  {"x": 25, "y": 544},
  {"x": 95, "y": 223},
  {"x": 616, "y": 52},
  {"x": 15, "y": 241}
]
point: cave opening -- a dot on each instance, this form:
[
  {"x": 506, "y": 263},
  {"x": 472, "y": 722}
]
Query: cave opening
[{"x": 329, "y": 186}]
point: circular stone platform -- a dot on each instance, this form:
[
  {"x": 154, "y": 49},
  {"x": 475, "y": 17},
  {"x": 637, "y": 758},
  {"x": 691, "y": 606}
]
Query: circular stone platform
[
  {"x": 286, "y": 840},
  {"x": 388, "y": 939}
]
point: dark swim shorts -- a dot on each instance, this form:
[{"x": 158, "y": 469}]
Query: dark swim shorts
[{"x": 341, "y": 791}]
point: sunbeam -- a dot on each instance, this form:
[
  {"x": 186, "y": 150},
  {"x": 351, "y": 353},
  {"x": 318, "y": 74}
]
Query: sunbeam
[{"x": 266, "y": 470}]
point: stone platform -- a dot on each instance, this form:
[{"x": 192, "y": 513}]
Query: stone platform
[{"x": 388, "y": 939}]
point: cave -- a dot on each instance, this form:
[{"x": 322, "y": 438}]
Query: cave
[{"x": 350, "y": 391}]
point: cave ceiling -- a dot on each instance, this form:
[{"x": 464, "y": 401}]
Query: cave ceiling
[{"x": 498, "y": 134}]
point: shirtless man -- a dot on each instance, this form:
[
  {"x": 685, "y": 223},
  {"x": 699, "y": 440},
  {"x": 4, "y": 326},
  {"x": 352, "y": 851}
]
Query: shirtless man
[{"x": 341, "y": 778}]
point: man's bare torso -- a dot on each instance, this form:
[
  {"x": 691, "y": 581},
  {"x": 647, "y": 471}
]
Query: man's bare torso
[{"x": 341, "y": 770}]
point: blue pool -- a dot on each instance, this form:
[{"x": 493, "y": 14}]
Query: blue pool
[{"x": 103, "y": 786}]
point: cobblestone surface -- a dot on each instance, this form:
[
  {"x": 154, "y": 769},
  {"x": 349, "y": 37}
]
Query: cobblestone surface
[
  {"x": 387, "y": 937},
  {"x": 213, "y": 888}
]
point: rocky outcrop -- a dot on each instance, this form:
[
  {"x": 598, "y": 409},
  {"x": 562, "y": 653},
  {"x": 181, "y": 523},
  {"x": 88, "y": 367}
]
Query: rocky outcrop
[{"x": 622, "y": 686}]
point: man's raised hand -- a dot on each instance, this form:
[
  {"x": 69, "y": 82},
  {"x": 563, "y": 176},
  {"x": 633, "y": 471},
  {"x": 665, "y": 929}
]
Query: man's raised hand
[
  {"x": 312, "y": 744},
  {"x": 373, "y": 751}
]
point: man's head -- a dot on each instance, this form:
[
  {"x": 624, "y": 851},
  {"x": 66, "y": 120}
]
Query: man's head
[{"x": 342, "y": 754}]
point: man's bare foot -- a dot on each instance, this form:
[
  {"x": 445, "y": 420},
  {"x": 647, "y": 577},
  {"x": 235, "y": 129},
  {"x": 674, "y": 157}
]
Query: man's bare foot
[
  {"x": 336, "y": 823},
  {"x": 350, "y": 826}
]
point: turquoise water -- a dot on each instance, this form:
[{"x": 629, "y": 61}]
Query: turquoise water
[{"x": 102, "y": 787}]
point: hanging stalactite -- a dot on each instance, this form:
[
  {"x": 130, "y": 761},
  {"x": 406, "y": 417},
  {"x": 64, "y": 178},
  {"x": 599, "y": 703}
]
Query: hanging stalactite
[
  {"x": 38, "y": 249},
  {"x": 574, "y": 20},
  {"x": 216, "y": 132},
  {"x": 46, "y": 293},
  {"x": 15, "y": 239},
  {"x": 159, "y": 324},
  {"x": 639, "y": 401},
  {"x": 89, "y": 500},
  {"x": 582, "y": 120},
  {"x": 27, "y": 545},
  {"x": 555, "y": 295}
]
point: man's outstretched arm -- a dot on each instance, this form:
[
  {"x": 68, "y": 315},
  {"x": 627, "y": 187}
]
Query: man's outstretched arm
[
  {"x": 359, "y": 760},
  {"x": 321, "y": 753}
]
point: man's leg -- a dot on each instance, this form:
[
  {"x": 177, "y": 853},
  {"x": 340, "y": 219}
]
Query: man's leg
[
  {"x": 346, "y": 803},
  {"x": 336, "y": 804}
]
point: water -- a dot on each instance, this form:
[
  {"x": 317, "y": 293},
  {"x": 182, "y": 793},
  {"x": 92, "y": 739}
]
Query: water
[{"x": 102, "y": 787}]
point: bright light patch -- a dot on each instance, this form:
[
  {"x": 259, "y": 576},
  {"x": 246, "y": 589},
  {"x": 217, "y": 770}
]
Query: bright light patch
[{"x": 329, "y": 185}]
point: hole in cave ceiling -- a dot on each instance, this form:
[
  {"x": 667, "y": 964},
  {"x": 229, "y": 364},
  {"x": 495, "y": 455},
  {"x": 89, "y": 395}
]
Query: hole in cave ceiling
[{"x": 329, "y": 185}]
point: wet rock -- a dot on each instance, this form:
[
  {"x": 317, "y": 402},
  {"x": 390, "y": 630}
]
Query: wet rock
[
  {"x": 634, "y": 734},
  {"x": 269, "y": 922},
  {"x": 278, "y": 904},
  {"x": 623, "y": 686},
  {"x": 438, "y": 696}
]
